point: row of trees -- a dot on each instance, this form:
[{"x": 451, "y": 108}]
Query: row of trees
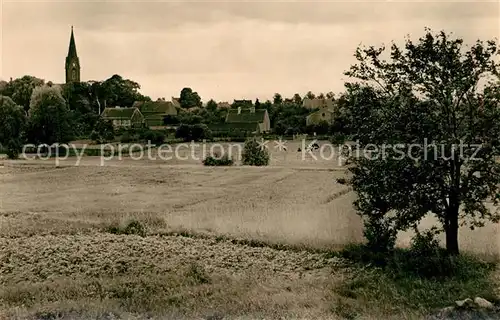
[{"x": 86, "y": 100}]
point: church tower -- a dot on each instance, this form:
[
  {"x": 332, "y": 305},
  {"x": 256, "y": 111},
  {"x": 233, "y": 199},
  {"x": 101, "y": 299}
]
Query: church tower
[{"x": 72, "y": 61}]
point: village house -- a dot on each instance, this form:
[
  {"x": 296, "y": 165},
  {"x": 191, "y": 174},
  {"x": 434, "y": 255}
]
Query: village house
[
  {"x": 318, "y": 103},
  {"x": 249, "y": 118},
  {"x": 223, "y": 105},
  {"x": 323, "y": 114},
  {"x": 123, "y": 117},
  {"x": 155, "y": 111}
]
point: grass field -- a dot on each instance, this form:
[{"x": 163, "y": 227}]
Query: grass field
[{"x": 238, "y": 242}]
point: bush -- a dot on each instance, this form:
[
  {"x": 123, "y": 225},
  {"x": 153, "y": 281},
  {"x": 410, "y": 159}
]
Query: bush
[
  {"x": 156, "y": 137},
  {"x": 103, "y": 131},
  {"x": 381, "y": 236},
  {"x": 426, "y": 257},
  {"x": 132, "y": 227},
  {"x": 196, "y": 132},
  {"x": 254, "y": 154},
  {"x": 126, "y": 138},
  {"x": 13, "y": 148},
  {"x": 216, "y": 160},
  {"x": 341, "y": 180},
  {"x": 94, "y": 136}
]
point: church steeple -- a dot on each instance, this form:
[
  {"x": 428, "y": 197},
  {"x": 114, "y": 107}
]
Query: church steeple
[
  {"x": 72, "y": 45},
  {"x": 72, "y": 61}
]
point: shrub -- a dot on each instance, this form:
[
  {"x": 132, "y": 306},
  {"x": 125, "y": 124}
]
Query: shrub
[
  {"x": 126, "y": 138},
  {"x": 103, "y": 131},
  {"x": 216, "y": 160},
  {"x": 381, "y": 236},
  {"x": 426, "y": 257},
  {"x": 156, "y": 137},
  {"x": 132, "y": 227},
  {"x": 254, "y": 154},
  {"x": 341, "y": 180},
  {"x": 94, "y": 136},
  {"x": 196, "y": 132},
  {"x": 13, "y": 148},
  {"x": 197, "y": 274}
]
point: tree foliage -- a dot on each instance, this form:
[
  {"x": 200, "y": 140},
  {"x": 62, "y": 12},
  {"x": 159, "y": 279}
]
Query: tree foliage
[
  {"x": 194, "y": 132},
  {"x": 117, "y": 91},
  {"x": 49, "y": 117},
  {"x": 255, "y": 154},
  {"x": 103, "y": 131},
  {"x": 428, "y": 94},
  {"x": 21, "y": 89},
  {"x": 211, "y": 105},
  {"x": 189, "y": 99},
  {"x": 277, "y": 99},
  {"x": 12, "y": 125}
]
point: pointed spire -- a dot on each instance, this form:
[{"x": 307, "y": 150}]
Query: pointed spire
[{"x": 72, "y": 46}]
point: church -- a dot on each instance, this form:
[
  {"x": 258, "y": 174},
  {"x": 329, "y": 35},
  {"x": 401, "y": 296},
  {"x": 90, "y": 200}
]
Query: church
[{"x": 72, "y": 61}]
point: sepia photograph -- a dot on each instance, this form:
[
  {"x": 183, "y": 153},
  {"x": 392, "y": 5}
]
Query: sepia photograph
[{"x": 244, "y": 160}]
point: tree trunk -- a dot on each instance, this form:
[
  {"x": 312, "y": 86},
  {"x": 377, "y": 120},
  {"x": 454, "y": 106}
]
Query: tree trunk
[{"x": 451, "y": 230}]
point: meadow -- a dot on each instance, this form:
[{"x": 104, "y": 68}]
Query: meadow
[{"x": 147, "y": 238}]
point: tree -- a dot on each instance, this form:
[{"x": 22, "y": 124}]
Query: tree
[
  {"x": 96, "y": 94},
  {"x": 277, "y": 99},
  {"x": 257, "y": 104},
  {"x": 12, "y": 124},
  {"x": 3, "y": 85},
  {"x": 117, "y": 91},
  {"x": 297, "y": 99},
  {"x": 211, "y": 105},
  {"x": 49, "y": 120},
  {"x": 321, "y": 96},
  {"x": 189, "y": 99},
  {"x": 21, "y": 89},
  {"x": 428, "y": 90},
  {"x": 310, "y": 95},
  {"x": 330, "y": 95},
  {"x": 288, "y": 118}
]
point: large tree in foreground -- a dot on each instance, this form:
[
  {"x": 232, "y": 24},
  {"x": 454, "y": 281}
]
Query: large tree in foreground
[{"x": 443, "y": 98}]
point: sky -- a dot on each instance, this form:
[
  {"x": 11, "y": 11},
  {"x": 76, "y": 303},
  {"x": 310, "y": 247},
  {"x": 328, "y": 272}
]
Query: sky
[{"x": 224, "y": 50}]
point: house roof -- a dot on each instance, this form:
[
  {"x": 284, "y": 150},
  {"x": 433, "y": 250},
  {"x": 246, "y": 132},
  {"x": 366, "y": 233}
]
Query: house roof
[
  {"x": 320, "y": 111},
  {"x": 317, "y": 103},
  {"x": 155, "y": 107},
  {"x": 223, "y": 105},
  {"x": 176, "y": 102},
  {"x": 118, "y": 113},
  {"x": 245, "y": 116}
]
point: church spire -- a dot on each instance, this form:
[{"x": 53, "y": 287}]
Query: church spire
[
  {"x": 72, "y": 46},
  {"x": 72, "y": 61}
]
